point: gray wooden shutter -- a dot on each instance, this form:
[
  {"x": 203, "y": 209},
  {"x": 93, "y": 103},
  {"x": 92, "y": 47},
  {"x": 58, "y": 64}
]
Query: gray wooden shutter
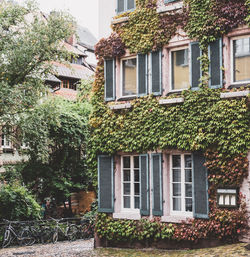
[
  {"x": 200, "y": 186},
  {"x": 144, "y": 179},
  {"x": 195, "y": 64},
  {"x": 109, "y": 74},
  {"x": 120, "y": 6},
  {"x": 142, "y": 74},
  {"x": 105, "y": 184},
  {"x": 215, "y": 57},
  {"x": 156, "y": 174},
  {"x": 156, "y": 73}
]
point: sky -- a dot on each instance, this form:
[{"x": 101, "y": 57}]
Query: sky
[{"x": 84, "y": 11}]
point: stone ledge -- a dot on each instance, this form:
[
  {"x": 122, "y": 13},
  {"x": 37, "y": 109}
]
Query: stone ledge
[
  {"x": 120, "y": 106},
  {"x": 120, "y": 20},
  {"x": 171, "y": 101},
  {"x": 234, "y": 94},
  {"x": 170, "y": 7}
]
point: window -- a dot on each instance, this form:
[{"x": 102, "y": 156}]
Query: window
[
  {"x": 65, "y": 84},
  {"x": 6, "y": 143},
  {"x": 125, "y": 5},
  {"x": 129, "y": 77},
  {"x": 241, "y": 59},
  {"x": 181, "y": 184},
  {"x": 130, "y": 183},
  {"x": 179, "y": 69},
  {"x": 227, "y": 197}
]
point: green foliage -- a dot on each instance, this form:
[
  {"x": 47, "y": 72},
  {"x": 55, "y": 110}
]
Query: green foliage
[
  {"x": 16, "y": 203},
  {"x": 29, "y": 41},
  {"x": 57, "y": 133},
  {"x": 129, "y": 230}
]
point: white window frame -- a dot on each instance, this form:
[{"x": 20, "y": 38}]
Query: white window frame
[
  {"x": 125, "y": 7},
  {"x": 6, "y": 139},
  {"x": 182, "y": 212},
  {"x": 132, "y": 195},
  {"x": 170, "y": 67},
  {"x": 121, "y": 76},
  {"x": 232, "y": 60}
]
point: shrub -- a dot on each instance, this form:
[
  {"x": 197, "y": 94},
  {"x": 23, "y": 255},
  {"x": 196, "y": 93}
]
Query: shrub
[{"x": 16, "y": 203}]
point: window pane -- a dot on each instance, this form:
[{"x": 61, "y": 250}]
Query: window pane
[
  {"x": 129, "y": 77},
  {"x": 137, "y": 202},
  {"x": 176, "y": 161},
  {"x": 136, "y": 162},
  {"x": 137, "y": 189},
  {"x": 137, "y": 177},
  {"x": 126, "y": 175},
  {"x": 176, "y": 189},
  {"x": 180, "y": 69},
  {"x": 176, "y": 175},
  {"x": 188, "y": 190},
  {"x": 188, "y": 161},
  {"x": 189, "y": 206},
  {"x": 241, "y": 54},
  {"x": 126, "y": 188},
  {"x": 126, "y": 202},
  {"x": 188, "y": 175},
  {"x": 126, "y": 162},
  {"x": 177, "y": 204},
  {"x": 131, "y": 4}
]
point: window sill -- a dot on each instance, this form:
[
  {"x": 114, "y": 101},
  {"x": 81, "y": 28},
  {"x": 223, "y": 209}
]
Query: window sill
[
  {"x": 127, "y": 98},
  {"x": 239, "y": 85},
  {"x": 127, "y": 215},
  {"x": 170, "y": 7},
  {"x": 119, "y": 20},
  {"x": 175, "y": 219},
  {"x": 235, "y": 94},
  {"x": 171, "y": 101},
  {"x": 120, "y": 106}
]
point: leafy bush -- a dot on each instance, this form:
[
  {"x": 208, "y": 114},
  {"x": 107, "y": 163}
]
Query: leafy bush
[{"x": 16, "y": 203}]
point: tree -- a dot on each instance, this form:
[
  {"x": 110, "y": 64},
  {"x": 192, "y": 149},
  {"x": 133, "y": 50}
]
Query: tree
[
  {"x": 57, "y": 134},
  {"x": 29, "y": 42}
]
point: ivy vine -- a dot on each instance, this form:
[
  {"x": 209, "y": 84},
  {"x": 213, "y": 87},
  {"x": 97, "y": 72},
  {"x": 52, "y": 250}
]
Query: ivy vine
[{"x": 205, "y": 122}]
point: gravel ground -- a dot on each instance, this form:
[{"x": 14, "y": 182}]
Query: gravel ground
[{"x": 84, "y": 248}]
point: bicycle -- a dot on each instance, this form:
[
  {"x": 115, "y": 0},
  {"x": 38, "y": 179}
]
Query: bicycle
[
  {"x": 86, "y": 229},
  {"x": 23, "y": 237},
  {"x": 70, "y": 231}
]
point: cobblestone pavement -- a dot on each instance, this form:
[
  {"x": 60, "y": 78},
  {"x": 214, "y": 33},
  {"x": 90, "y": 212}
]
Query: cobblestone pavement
[{"x": 84, "y": 248}]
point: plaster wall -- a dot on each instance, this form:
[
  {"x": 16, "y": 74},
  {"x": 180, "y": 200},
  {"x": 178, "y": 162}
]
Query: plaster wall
[{"x": 107, "y": 10}]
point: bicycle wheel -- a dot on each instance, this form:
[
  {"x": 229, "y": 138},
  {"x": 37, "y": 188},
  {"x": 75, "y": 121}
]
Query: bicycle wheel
[
  {"x": 55, "y": 237},
  {"x": 72, "y": 232},
  {"x": 6, "y": 239},
  {"x": 46, "y": 235},
  {"x": 25, "y": 237}
]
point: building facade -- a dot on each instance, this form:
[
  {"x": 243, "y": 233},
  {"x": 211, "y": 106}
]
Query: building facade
[{"x": 171, "y": 122}]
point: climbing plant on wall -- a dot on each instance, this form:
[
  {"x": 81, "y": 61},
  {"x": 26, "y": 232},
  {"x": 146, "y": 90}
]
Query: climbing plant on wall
[{"x": 205, "y": 122}]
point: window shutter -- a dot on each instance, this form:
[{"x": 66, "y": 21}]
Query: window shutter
[
  {"x": 144, "y": 178},
  {"x": 120, "y": 6},
  {"x": 105, "y": 184},
  {"x": 156, "y": 170},
  {"x": 142, "y": 75},
  {"x": 195, "y": 65},
  {"x": 215, "y": 57},
  {"x": 156, "y": 73},
  {"x": 109, "y": 73},
  {"x": 200, "y": 186}
]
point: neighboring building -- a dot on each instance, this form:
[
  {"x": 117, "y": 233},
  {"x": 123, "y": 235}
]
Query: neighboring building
[
  {"x": 62, "y": 83},
  {"x": 164, "y": 180}
]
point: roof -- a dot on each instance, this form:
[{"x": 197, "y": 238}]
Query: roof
[
  {"x": 86, "y": 38},
  {"x": 52, "y": 78},
  {"x": 73, "y": 49},
  {"x": 75, "y": 71},
  {"x": 66, "y": 93}
]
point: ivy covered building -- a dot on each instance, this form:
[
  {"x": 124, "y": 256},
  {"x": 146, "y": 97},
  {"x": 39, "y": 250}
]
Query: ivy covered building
[{"x": 170, "y": 125}]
